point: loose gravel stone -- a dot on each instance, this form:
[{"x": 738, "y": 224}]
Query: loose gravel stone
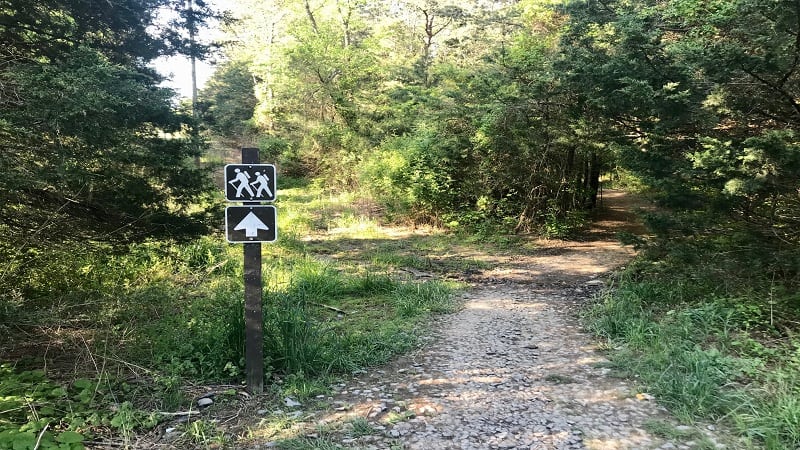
[
  {"x": 513, "y": 370},
  {"x": 467, "y": 399}
]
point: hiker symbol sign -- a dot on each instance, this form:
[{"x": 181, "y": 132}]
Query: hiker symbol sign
[{"x": 250, "y": 182}]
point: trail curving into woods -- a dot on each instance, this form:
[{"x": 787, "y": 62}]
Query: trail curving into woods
[{"x": 513, "y": 369}]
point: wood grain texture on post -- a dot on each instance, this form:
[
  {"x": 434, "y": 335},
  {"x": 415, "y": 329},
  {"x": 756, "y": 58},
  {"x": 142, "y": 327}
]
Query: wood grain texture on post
[{"x": 253, "y": 314}]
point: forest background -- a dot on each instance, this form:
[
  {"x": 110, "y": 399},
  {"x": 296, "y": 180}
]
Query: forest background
[{"x": 490, "y": 118}]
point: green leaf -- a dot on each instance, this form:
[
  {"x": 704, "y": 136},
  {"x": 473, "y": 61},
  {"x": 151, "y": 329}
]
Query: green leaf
[
  {"x": 74, "y": 446},
  {"x": 70, "y": 437},
  {"x": 58, "y": 392},
  {"x": 7, "y": 437},
  {"x": 23, "y": 441},
  {"x": 83, "y": 383}
]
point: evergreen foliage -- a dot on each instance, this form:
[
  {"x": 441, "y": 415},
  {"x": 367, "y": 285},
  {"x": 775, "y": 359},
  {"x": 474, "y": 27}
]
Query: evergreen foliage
[
  {"x": 496, "y": 115},
  {"x": 83, "y": 120},
  {"x": 701, "y": 103},
  {"x": 92, "y": 149},
  {"x": 230, "y": 101}
]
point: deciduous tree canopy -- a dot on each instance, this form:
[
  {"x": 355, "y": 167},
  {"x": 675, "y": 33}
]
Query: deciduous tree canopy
[{"x": 509, "y": 112}]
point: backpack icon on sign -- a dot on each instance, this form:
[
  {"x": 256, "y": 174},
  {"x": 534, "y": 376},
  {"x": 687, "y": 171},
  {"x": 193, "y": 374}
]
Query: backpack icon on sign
[
  {"x": 262, "y": 180},
  {"x": 243, "y": 178}
]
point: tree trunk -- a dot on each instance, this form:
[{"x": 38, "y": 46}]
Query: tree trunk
[
  {"x": 568, "y": 200},
  {"x": 192, "y": 56},
  {"x": 594, "y": 180},
  {"x": 345, "y": 18},
  {"x": 311, "y": 18}
]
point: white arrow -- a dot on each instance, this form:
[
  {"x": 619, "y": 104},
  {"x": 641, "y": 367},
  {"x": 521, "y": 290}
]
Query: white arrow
[{"x": 251, "y": 224}]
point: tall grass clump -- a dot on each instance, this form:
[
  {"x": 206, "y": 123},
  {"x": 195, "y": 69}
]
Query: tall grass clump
[
  {"x": 771, "y": 418},
  {"x": 708, "y": 348},
  {"x": 369, "y": 283},
  {"x": 321, "y": 320},
  {"x": 292, "y": 338},
  {"x": 314, "y": 280},
  {"x": 198, "y": 336},
  {"x": 414, "y": 299}
]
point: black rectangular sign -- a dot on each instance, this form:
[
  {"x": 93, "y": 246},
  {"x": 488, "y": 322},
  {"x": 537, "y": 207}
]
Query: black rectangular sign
[
  {"x": 250, "y": 183},
  {"x": 251, "y": 224}
]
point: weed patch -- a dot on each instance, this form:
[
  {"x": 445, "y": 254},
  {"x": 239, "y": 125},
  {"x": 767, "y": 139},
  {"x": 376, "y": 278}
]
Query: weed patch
[
  {"x": 705, "y": 349},
  {"x": 38, "y": 413},
  {"x": 166, "y": 315}
]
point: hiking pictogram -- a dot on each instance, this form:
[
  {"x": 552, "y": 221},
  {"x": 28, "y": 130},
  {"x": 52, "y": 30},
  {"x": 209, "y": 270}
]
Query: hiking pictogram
[{"x": 250, "y": 182}]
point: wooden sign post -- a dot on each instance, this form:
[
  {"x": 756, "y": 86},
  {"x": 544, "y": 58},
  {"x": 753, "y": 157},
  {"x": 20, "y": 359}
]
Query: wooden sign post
[
  {"x": 251, "y": 224},
  {"x": 253, "y": 314}
]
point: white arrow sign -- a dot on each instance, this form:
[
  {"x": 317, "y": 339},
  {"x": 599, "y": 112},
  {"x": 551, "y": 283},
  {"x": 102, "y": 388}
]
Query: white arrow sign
[{"x": 251, "y": 224}]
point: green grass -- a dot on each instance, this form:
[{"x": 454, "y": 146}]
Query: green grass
[
  {"x": 669, "y": 431},
  {"x": 204, "y": 434},
  {"x": 707, "y": 350},
  {"x": 361, "y": 427},
  {"x": 169, "y": 314}
]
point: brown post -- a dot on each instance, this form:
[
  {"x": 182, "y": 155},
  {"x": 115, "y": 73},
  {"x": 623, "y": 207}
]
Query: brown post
[{"x": 253, "y": 315}]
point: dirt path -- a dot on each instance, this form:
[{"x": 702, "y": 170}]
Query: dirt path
[{"x": 512, "y": 369}]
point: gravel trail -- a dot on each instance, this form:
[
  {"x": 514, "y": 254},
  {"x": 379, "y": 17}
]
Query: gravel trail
[{"x": 513, "y": 369}]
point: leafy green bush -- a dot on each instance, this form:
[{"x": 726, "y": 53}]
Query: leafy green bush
[
  {"x": 562, "y": 225},
  {"x": 38, "y": 413},
  {"x": 382, "y": 174}
]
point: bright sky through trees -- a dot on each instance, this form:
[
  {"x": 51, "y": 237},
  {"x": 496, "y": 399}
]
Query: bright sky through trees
[
  {"x": 178, "y": 67},
  {"x": 179, "y": 71}
]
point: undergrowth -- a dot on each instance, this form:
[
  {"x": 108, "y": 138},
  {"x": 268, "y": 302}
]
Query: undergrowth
[
  {"x": 106, "y": 340},
  {"x": 710, "y": 337}
]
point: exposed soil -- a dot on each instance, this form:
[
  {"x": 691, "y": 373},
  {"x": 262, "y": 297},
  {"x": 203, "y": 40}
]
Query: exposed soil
[{"x": 512, "y": 369}]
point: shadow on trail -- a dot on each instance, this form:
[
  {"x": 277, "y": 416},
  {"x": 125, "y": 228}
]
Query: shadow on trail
[
  {"x": 525, "y": 259},
  {"x": 618, "y": 212}
]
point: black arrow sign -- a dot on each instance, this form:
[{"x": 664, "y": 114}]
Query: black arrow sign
[{"x": 251, "y": 224}]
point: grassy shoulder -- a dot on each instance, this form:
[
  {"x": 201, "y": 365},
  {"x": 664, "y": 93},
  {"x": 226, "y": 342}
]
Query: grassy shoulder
[
  {"x": 711, "y": 337},
  {"x": 108, "y": 344}
]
